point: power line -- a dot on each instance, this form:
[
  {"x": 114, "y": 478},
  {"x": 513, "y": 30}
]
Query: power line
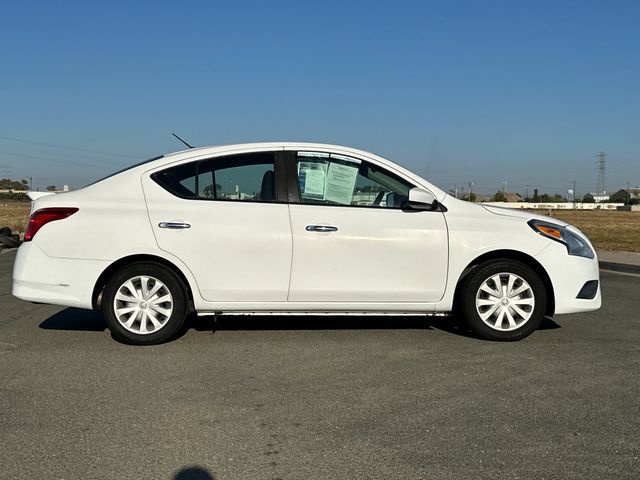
[
  {"x": 7, "y": 171},
  {"x": 44, "y": 159},
  {"x": 66, "y": 147},
  {"x": 34, "y": 152},
  {"x": 39, "y": 150}
]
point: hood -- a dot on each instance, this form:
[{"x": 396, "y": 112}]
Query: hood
[{"x": 510, "y": 212}]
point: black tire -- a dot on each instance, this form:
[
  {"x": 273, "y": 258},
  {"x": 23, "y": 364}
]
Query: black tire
[
  {"x": 471, "y": 289},
  {"x": 172, "y": 324}
]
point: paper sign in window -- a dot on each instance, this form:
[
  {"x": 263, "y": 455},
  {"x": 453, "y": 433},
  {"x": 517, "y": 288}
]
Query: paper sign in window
[
  {"x": 312, "y": 177},
  {"x": 341, "y": 179}
]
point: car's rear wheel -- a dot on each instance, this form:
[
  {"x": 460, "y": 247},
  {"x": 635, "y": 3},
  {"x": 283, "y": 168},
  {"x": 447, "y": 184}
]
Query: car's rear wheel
[
  {"x": 503, "y": 300},
  {"x": 144, "y": 304}
]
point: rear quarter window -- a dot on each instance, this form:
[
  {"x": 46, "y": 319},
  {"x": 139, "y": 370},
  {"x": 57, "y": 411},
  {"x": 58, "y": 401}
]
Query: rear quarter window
[{"x": 179, "y": 180}]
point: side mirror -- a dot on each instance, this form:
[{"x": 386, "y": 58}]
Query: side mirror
[{"x": 422, "y": 199}]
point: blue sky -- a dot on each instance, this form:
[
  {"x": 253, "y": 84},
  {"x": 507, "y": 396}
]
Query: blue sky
[{"x": 458, "y": 91}]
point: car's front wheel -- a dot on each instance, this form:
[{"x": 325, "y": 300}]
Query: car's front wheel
[
  {"x": 503, "y": 300},
  {"x": 144, "y": 304}
]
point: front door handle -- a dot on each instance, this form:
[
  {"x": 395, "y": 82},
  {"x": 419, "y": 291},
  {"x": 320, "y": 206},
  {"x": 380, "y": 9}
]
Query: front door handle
[
  {"x": 321, "y": 228},
  {"x": 174, "y": 225}
]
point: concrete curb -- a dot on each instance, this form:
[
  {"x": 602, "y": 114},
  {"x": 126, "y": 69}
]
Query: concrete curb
[{"x": 620, "y": 267}]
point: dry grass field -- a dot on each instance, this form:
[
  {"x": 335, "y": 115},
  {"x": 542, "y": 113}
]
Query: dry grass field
[
  {"x": 14, "y": 215},
  {"x": 608, "y": 230}
]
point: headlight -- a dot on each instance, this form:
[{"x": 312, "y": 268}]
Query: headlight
[{"x": 576, "y": 245}]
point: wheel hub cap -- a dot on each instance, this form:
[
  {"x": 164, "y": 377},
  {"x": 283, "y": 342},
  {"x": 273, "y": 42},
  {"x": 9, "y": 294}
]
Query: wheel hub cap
[
  {"x": 143, "y": 305},
  {"x": 505, "y": 301}
]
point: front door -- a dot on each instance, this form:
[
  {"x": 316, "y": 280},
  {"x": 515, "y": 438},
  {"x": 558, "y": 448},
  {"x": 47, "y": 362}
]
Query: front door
[{"x": 354, "y": 240}]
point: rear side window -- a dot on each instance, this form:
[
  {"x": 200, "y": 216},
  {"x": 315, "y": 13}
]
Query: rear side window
[{"x": 248, "y": 177}]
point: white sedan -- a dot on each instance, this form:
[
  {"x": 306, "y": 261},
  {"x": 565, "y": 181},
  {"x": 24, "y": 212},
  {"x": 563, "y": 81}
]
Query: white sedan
[{"x": 295, "y": 228}]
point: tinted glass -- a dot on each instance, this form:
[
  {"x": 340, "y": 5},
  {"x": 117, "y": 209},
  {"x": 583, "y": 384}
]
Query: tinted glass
[
  {"x": 248, "y": 177},
  {"x": 240, "y": 177},
  {"x": 179, "y": 180}
]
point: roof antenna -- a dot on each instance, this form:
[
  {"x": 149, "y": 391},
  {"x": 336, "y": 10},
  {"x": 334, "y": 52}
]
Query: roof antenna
[{"x": 181, "y": 140}]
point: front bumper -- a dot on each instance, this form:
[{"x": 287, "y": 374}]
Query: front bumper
[{"x": 568, "y": 275}]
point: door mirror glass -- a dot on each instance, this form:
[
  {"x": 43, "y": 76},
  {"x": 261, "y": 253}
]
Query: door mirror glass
[{"x": 421, "y": 199}]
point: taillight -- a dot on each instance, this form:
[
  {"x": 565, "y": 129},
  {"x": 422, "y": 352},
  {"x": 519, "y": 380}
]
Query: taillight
[{"x": 40, "y": 218}]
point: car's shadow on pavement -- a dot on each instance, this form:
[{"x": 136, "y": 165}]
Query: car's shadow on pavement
[
  {"x": 449, "y": 324},
  {"x": 75, "y": 319},
  {"x": 90, "y": 321}
]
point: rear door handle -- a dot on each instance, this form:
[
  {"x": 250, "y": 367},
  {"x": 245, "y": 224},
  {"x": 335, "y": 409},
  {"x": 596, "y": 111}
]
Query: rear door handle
[
  {"x": 321, "y": 228},
  {"x": 174, "y": 225}
]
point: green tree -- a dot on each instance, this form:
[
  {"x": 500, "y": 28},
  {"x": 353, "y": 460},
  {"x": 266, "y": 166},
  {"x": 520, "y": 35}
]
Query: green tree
[
  {"x": 499, "y": 197},
  {"x": 467, "y": 199},
  {"x": 7, "y": 184}
]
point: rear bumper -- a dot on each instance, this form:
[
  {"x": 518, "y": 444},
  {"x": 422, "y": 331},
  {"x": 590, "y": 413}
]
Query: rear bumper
[
  {"x": 568, "y": 275},
  {"x": 59, "y": 281}
]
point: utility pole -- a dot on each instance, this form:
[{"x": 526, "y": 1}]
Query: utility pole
[
  {"x": 574, "y": 195},
  {"x": 600, "y": 165},
  {"x": 471, "y": 184},
  {"x": 527, "y": 196}
]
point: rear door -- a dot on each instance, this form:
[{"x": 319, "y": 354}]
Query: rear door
[{"x": 227, "y": 219}]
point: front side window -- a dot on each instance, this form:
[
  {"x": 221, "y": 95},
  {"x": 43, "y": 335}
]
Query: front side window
[
  {"x": 331, "y": 179},
  {"x": 248, "y": 177}
]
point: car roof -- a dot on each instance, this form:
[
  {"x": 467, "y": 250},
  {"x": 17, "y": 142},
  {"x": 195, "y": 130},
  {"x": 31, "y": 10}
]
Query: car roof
[{"x": 266, "y": 145}]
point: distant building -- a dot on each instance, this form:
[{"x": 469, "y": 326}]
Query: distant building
[
  {"x": 629, "y": 196},
  {"x": 596, "y": 197}
]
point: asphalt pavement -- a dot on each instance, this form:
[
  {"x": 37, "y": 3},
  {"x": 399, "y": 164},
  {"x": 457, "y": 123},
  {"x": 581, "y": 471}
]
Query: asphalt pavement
[{"x": 320, "y": 397}]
